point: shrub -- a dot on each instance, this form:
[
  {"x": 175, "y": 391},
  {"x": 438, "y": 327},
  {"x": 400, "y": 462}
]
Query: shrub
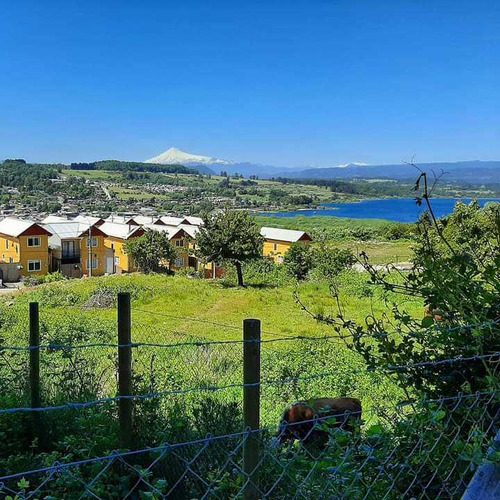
[
  {"x": 330, "y": 262},
  {"x": 46, "y": 278},
  {"x": 259, "y": 272},
  {"x": 400, "y": 231},
  {"x": 298, "y": 260}
]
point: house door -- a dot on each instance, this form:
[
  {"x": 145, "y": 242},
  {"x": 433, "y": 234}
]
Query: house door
[{"x": 110, "y": 265}]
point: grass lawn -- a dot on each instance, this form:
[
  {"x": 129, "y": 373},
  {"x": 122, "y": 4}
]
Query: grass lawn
[
  {"x": 302, "y": 223},
  {"x": 164, "y": 303},
  {"x": 178, "y": 310},
  {"x": 385, "y": 252},
  {"x": 104, "y": 175}
]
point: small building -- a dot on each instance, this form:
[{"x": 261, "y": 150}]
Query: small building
[
  {"x": 24, "y": 246},
  {"x": 116, "y": 238},
  {"x": 277, "y": 241}
]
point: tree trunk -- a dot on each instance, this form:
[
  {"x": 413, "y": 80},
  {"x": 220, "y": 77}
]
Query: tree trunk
[{"x": 239, "y": 272}]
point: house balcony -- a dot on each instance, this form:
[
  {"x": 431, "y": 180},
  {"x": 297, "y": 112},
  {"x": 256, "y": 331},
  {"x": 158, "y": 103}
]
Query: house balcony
[{"x": 70, "y": 259}]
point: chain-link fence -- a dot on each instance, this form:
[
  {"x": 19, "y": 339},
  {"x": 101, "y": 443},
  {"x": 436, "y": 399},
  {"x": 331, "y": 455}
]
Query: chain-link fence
[{"x": 189, "y": 392}]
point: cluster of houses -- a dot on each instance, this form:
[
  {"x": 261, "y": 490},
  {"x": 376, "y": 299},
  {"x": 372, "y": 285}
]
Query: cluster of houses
[{"x": 93, "y": 246}]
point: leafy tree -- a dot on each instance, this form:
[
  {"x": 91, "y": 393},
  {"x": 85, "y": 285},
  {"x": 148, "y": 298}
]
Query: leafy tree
[
  {"x": 330, "y": 262},
  {"x": 232, "y": 236},
  {"x": 298, "y": 260},
  {"x": 300, "y": 199},
  {"x": 152, "y": 252}
]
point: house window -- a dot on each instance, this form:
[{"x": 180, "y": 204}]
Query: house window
[
  {"x": 275, "y": 247},
  {"x": 11, "y": 260},
  {"x": 93, "y": 241},
  {"x": 6, "y": 244},
  {"x": 280, "y": 259},
  {"x": 34, "y": 241},
  {"x": 179, "y": 262},
  {"x": 95, "y": 263},
  {"x": 179, "y": 243},
  {"x": 117, "y": 261},
  {"x": 34, "y": 265}
]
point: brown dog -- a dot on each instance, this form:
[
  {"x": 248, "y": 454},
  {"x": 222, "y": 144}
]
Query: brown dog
[{"x": 300, "y": 419}]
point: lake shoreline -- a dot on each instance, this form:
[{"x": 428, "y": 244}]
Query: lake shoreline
[{"x": 403, "y": 210}]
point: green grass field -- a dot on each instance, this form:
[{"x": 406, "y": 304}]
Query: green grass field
[
  {"x": 176, "y": 309},
  {"x": 303, "y": 223}
]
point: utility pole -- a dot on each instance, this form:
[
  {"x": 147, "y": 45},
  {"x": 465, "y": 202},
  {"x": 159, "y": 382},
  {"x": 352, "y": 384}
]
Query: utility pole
[{"x": 89, "y": 237}]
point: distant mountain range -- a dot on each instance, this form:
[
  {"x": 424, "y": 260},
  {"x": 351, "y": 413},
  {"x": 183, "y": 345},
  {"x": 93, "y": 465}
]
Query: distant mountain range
[{"x": 474, "y": 171}]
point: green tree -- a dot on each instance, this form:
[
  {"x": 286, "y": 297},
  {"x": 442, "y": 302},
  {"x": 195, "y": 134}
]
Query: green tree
[
  {"x": 330, "y": 262},
  {"x": 232, "y": 236},
  {"x": 152, "y": 252},
  {"x": 298, "y": 260}
]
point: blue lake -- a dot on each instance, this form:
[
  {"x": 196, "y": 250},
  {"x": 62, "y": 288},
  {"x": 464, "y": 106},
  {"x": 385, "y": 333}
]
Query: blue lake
[{"x": 394, "y": 209}]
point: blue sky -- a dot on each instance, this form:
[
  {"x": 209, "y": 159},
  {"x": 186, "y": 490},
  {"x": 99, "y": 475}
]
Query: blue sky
[{"x": 289, "y": 83}]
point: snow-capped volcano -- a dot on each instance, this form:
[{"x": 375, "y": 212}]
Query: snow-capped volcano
[
  {"x": 354, "y": 164},
  {"x": 174, "y": 155}
]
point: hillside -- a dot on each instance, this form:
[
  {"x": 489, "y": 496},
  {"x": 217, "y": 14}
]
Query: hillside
[{"x": 474, "y": 172}]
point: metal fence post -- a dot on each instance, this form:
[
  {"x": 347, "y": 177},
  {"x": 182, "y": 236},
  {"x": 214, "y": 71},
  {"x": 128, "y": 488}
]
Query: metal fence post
[
  {"x": 125, "y": 370},
  {"x": 35, "y": 399},
  {"x": 251, "y": 405}
]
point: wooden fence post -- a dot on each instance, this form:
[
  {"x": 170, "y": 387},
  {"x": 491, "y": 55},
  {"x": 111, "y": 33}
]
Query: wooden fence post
[
  {"x": 35, "y": 398},
  {"x": 125, "y": 370},
  {"x": 251, "y": 405}
]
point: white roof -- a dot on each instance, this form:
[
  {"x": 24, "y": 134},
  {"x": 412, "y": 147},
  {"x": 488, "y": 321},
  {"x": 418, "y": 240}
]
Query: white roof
[
  {"x": 120, "y": 219},
  {"x": 274, "y": 233},
  {"x": 170, "y": 230},
  {"x": 68, "y": 230},
  {"x": 117, "y": 230},
  {"x": 54, "y": 218},
  {"x": 89, "y": 219},
  {"x": 190, "y": 230},
  {"x": 15, "y": 227},
  {"x": 146, "y": 219},
  {"x": 173, "y": 221},
  {"x": 195, "y": 221}
]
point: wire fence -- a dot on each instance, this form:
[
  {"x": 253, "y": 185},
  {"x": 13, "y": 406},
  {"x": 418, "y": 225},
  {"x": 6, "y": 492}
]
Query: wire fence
[{"x": 190, "y": 392}]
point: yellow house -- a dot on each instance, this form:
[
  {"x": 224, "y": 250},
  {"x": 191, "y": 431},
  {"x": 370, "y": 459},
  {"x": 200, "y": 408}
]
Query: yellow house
[
  {"x": 278, "y": 241},
  {"x": 96, "y": 258},
  {"x": 116, "y": 238},
  {"x": 26, "y": 244},
  {"x": 180, "y": 240}
]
